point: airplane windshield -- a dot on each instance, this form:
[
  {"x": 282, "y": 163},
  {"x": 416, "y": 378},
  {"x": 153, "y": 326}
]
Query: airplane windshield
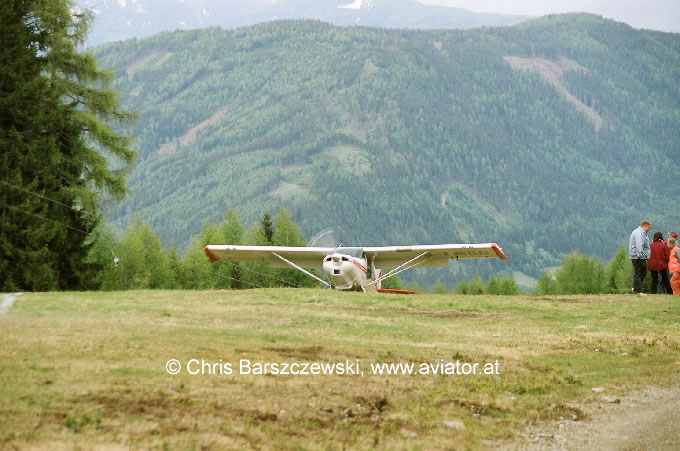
[{"x": 356, "y": 252}]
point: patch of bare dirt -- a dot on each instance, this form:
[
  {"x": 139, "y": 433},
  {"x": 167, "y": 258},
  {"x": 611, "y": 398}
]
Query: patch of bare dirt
[
  {"x": 553, "y": 71},
  {"x": 646, "y": 419},
  {"x": 139, "y": 61},
  {"x": 165, "y": 407},
  {"x": 365, "y": 410},
  {"x": 285, "y": 190},
  {"x": 144, "y": 59},
  {"x": 190, "y": 136},
  {"x": 413, "y": 312},
  {"x": 574, "y": 300},
  {"x": 306, "y": 352},
  {"x": 163, "y": 59}
]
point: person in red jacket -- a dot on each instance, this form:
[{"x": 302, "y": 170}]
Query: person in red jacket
[{"x": 658, "y": 264}]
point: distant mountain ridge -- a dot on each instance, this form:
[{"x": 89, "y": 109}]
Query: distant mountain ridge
[
  {"x": 556, "y": 134},
  {"x": 123, "y": 19}
]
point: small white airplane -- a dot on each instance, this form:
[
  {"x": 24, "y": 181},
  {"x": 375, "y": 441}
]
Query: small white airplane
[{"x": 354, "y": 268}]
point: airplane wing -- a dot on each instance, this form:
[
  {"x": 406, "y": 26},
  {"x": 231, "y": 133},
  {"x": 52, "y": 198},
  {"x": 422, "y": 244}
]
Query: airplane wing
[
  {"x": 389, "y": 257},
  {"x": 305, "y": 257}
]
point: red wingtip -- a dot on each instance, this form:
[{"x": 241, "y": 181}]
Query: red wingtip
[
  {"x": 499, "y": 251},
  {"x": 213, "y": 258}
]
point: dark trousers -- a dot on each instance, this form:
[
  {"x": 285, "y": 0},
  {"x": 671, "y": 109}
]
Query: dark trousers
[
  {"x": 639, "y": 273},
  {"x": 665, "y": 282}
]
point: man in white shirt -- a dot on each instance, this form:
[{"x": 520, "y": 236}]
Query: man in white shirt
[{"x": 639, "y": 252}]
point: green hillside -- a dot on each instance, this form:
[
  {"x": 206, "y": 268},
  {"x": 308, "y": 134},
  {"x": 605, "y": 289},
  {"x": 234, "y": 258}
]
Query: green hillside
[{"x": 555, "y": 134}]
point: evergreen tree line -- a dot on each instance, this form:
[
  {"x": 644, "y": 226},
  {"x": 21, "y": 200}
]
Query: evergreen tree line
[
  {"x": 578, "y": 274},
  {"x": 495, "y": 284},
  {"x": 138, "y": 259},
  {"x": 581, "y": 274}
]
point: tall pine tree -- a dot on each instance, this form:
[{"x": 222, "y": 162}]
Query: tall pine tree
[{"x": 59, "y": 156}]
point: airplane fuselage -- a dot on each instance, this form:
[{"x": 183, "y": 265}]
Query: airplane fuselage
[{"x": 347, "y": 272}]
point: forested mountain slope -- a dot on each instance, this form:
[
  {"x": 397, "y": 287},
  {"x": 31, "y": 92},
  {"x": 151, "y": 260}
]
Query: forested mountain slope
[{"x": 555, "y": 134}]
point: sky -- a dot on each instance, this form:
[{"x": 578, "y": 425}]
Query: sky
[{"x": 653, "y": 14}]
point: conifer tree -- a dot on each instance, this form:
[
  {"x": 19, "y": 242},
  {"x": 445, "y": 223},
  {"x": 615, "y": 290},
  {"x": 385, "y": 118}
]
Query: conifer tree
[
  {"x": 493, "y": 285},
  {"x": 619, "y": 272},
  {"x": 257, "y": 273},
  {"x": 143, "y": 261},
  {"x": 569, "y": 276},
  {"x": 56, "y": 105},
  {"x": 200, "y": 272},
  {"x": 580, "y": 274},
  {"x": 231, "y": 228},
  {"x": 267, "y": 228},
  {"x": 102, "y": 259},
  {"x": 546, "y": 284},
  {"x": 508, "y": 286},
  {"x": 177, "y": 269},
  {"x": 476, "y": 285},
  {"x": 461, "y": 287},
  {"x": 286, "y": 233},
  {"x": 438, "y": 287},
  {"x": 413, "y": 285},
  {"x": 232, "y": 233}
]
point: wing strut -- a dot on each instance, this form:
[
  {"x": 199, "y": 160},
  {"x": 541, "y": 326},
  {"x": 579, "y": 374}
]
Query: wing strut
[
  {"x": 399, "y": 269},
  {"x": 303, "y": 270}
]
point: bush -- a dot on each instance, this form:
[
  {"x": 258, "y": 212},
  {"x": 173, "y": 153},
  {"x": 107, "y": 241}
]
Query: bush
[
  {"x": 392, "y": 283},
  {"x": 461, "y": 287},
  {"x": 476, "y": 285},
  {"x": 509, "y": 286},
  {"x": 438, "y": 288},
  {"x": 493, "y": 285},
  {"x": 546, "y": 284}
]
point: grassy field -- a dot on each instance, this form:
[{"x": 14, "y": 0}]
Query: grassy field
[{"x": 87, "y": 370}]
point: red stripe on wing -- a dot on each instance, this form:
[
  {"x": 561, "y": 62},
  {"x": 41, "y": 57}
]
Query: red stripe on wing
[{"x": 499, "y": 251}]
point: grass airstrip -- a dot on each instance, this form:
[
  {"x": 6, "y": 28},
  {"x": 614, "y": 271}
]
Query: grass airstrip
[{"x": 88, "y": 370}]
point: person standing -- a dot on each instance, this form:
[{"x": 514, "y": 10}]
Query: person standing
[
  {"x": 639, "y": 252},
  {"x": 674, "y": 266},
  {"x": 658, "y": 264}
]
